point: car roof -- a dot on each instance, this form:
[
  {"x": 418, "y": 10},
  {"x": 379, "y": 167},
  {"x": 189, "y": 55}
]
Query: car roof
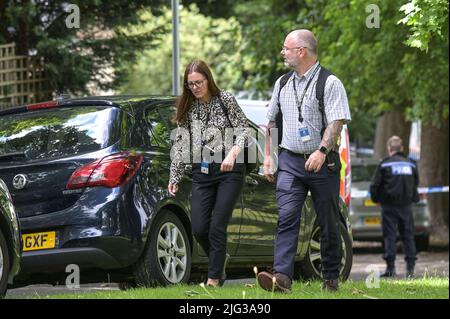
[{"x": 121, "y": 101}]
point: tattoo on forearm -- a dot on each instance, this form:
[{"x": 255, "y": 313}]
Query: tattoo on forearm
[
  {"x": 267, "y": 148},
  {"x": 331, "y": 134}
]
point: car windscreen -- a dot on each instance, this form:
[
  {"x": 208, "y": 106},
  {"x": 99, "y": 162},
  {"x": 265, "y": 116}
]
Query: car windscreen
[
  {"x": 57, "y": 132},
  {"x": 363, "y": 173}
]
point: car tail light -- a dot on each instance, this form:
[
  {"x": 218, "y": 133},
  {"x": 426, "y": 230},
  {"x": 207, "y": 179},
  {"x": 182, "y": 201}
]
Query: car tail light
[
  {"x": 110, "y": 171},
  {"x": 44, "y": 105}
]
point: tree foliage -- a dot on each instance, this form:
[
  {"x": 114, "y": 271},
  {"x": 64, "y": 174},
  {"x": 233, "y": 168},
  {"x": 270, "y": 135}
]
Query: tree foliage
[
  {"x": 427, "y": 20},
  {"x": 427, "y": 70},
  {"x": 216, "y": 41},
  {"x": 379, "y": 71},
  {"x": 368, "y": 58},
  {"x": 265, "y": 23},
  {"x": 95, "y": 52},
  {"x": 213, "y": 8}
]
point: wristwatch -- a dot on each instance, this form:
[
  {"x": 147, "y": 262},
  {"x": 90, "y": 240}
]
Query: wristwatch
[{"x": 324, "y": 150}]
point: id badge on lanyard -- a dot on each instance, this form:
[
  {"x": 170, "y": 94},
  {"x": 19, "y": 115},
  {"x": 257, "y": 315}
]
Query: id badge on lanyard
[
  {"x": 303, "y": 134},
  {"x": 204, "y": 167}
]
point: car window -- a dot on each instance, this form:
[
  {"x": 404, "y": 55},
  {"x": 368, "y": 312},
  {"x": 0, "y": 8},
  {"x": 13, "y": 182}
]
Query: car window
[
  {"x": 167, "y": 113},
  {"x": 134, "y": 131},
  {"x": 58, "y": 132},
  {"x": 160, "y": 125},
  {"x": 363, "y": 173}
]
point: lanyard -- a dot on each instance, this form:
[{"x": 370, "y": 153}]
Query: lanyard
[
  {"x": 207, "y": 118},
  {"x": 299, "y": 103}
]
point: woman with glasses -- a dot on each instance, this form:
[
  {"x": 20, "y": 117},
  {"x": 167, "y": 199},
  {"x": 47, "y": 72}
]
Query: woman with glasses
[{"x": 205, "y": 111}]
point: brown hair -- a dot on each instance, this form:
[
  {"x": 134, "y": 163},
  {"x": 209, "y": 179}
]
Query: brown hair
[{"x": 184, "y": 102}]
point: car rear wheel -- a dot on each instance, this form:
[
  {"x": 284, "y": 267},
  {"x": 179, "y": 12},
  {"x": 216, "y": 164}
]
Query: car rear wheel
[
  {"x": 167, "y": 257},
  {"x": 311, "y": 265},
  {"x": 4, "y": 265}
]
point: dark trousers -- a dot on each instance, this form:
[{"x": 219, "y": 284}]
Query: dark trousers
[
  {"x": 398, "y": 218},
  {"x": 293, "y": 184},
  {"x": 213, "y": 199}
]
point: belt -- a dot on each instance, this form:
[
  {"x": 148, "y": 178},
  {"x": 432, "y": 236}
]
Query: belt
[{"x": 305, "y": 156}]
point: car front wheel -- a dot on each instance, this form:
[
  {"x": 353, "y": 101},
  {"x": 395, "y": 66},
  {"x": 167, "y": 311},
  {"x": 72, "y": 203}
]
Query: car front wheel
[
  {"x": 310, "y": 267},
  {"x": 4, "y": 265},
  {"x": 167, "y": 257}
]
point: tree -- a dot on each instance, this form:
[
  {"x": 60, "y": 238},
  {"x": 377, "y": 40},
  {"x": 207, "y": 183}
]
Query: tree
[
  {"x": 427, "y": 21},
  {"x": 94, "y": 52},
  {"x": 370, "y": 61},
  {"x": 397, "y": 81},
  {"x": 216, "y": 41},
  {"x": 213, "y": 8},
  {"x": 265, "y": 23}
]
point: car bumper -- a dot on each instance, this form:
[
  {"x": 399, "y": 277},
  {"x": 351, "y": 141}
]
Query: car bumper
[
  {"x": 56, "y": 260},
  {"x": 105, "y": 236},
  {"x": 375, "y": 233}
]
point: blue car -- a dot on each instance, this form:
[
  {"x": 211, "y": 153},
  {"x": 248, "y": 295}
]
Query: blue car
[{"x": 89, "y": 176}]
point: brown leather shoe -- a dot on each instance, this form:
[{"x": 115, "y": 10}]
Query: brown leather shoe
[
  {"x": 282, "y": 282},
  {"x": 331, "y": 285}
]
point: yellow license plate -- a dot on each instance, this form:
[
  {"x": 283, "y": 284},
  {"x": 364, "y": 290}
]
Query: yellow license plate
[
  {"x": 372, "y": 221},
  {"x": 368, "y": 203},
  {"x": 36, "y": 241}
]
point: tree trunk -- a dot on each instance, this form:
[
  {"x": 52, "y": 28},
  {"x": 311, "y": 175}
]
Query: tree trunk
[
  {"x": 4, "y": 32},
  {"x": 434, "y": 171},
  {"x": 389, "y": 124},
  {"x": 23, "y": 33}
]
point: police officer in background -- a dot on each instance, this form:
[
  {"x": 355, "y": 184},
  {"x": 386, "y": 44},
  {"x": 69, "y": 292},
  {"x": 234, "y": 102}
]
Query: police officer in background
[{"x": 394, "y": 186}]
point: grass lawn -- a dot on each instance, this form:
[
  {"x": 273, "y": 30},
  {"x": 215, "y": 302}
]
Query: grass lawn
[{"x": 425, "y": 288}]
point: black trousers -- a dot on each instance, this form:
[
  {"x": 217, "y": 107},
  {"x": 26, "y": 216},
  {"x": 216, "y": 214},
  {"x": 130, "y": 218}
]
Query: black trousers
[
  {"x": 214, "y": 196},
  {"x": 398, "y": 218},
  {"x": 293, "y": 184}
]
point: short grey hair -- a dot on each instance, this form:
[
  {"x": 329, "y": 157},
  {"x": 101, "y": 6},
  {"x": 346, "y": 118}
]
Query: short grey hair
[
  {"x": 305, "y": 38},
  {"x": 395, "y": 144}
]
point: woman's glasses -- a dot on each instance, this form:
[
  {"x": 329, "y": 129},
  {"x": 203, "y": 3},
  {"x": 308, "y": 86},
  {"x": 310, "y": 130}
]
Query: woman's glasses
[{"x": 193, "y": 84}]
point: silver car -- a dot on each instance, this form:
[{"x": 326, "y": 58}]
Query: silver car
[{"x": 365, "y": 215}]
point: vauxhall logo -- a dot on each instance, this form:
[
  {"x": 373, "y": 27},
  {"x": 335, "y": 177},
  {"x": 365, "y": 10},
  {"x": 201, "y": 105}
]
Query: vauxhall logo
[{"x": 20, "y": 181}]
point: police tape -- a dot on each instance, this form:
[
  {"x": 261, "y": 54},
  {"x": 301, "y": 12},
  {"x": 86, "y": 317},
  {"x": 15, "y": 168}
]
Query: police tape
[{"x": 422, "y": 190}]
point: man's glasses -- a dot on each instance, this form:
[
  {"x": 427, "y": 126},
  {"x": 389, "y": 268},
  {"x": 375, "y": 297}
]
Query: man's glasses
[
  {"x": 284, "y": 49},
  {"x": 193, "y": 84}
]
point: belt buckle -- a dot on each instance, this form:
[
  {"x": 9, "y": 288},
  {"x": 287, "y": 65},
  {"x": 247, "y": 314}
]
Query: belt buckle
[{"x": 305, "y": 156}]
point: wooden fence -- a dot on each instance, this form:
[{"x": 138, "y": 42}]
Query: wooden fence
[{"x": 22, "y": 78}]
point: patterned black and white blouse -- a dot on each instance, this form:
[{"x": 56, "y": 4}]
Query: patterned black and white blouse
[{"x": 205, "y": 119}]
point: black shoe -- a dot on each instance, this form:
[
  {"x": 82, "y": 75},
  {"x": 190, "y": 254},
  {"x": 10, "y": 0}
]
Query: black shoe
[
  {"x": 331, "y": 285},
  {"x": 223, "y": 277},
  {"x": 389, "y": 272}
]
